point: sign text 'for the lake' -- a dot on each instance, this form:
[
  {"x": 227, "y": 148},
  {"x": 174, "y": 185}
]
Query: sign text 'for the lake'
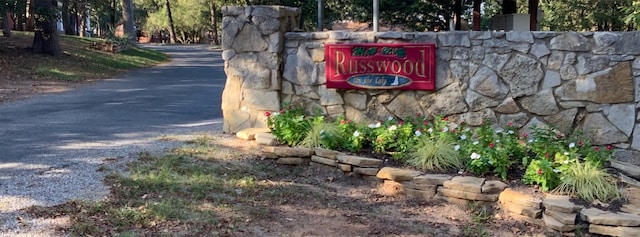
[{"x": 380, "y": 66}]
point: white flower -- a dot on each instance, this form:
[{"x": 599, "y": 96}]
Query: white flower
[
  {"x": 390, "y": 118},
  {"x": 475, "y": 156},
  {"x": 475, "y": 143},
  {"x": 510, "y": 132},
  {"x": 566, "y": 153},
  {"x": 464, "y": 136},
  {"x": 490, "y": 162},
  {"x": 356, "y": 134},
  {"x": 572, "y": 145},
  {"x": 499, "y": 131},
  {"x": 430, "y": 130},
  {"x": 467, "y": 129},
  {"x": 418, "y": 133},
  {"x": 376, "y": 125},
  {"x": 530, "y": 140},
  {"x": 275, "y": 114},
  {"x": 566, "y": 162},
  {"x": 445, "y": 129},
  {"x": 393, "y": 128},
  {"x": 556, "y": 170},
  {"x": 461, "y": 172},
  {"x": 497, "y": 141},
  {"x": 456, "y": 147}
]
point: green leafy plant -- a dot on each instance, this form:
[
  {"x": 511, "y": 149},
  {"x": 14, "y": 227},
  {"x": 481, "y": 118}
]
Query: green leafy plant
[
  {"x": 322, "y": 134},
  {"x": 434, "y": 154},
  {"x": 589, "y": 182},
  {"x": 290, "y": 126},
  {"x": 541, "y": 172},
  {"x": 352, "y": 135}
]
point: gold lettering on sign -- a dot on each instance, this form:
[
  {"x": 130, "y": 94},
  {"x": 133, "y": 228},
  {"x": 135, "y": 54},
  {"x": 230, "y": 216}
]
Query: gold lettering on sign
[{"x": 340, "y": 63}]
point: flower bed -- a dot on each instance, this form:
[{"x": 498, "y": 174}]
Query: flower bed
[{"x": 564, "y": 164}]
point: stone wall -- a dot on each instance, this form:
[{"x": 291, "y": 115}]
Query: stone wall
[
  {"x": 566, "y": 79},
  {"x": 253, "y": 43}
]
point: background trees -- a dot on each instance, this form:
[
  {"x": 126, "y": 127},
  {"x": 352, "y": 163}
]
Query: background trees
[{"x": 194, "y": 20}]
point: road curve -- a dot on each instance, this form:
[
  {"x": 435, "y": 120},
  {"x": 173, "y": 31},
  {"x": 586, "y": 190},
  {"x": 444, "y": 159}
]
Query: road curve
[{"x": 51, "y": 146}]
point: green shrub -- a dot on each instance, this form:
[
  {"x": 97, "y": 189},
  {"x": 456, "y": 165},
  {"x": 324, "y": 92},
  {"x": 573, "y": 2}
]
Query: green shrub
[
  {"x": 290, "y": 126},
  {"x": 434, "y": 154},
  {"x": 541, "y": 172}
]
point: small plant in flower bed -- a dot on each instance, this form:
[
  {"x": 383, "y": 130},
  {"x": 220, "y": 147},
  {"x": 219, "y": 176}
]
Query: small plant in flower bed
[
  {"x": 555, "y": 162},
  {"x": 290, "y": 126}
]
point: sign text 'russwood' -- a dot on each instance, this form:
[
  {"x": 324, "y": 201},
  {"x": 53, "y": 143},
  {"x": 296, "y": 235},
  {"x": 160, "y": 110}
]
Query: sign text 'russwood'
[{"x": 380, "y": 66}]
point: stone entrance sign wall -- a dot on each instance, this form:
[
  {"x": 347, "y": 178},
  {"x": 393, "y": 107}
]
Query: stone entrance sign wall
[{"x": 569, "y": 80}]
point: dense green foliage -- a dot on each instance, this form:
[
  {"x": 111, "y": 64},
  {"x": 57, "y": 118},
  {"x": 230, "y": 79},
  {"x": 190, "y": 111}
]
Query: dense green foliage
[{"x": 568, "y": 162}]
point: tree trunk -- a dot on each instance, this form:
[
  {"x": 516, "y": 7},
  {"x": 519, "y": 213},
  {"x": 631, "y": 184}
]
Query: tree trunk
[
  {"x": 114, "y": 6},
  {"x": 172, "y": 32},
  {"x": 45, "y": 39},
  {"x": 457, "y": 17},
  {"x": 476, "y": 15},
  {"x": 30, "y": 19},
  {"x": 6, "y": 29},
  {"x": 214, "y": 23},
  {"x": 128, "y": 21},
  {"x": 82, "y": 26},
  {"x": 66, "y": 18}
]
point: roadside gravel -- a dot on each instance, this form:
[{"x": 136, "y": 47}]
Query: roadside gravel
[{"x": 71, "y": 176}]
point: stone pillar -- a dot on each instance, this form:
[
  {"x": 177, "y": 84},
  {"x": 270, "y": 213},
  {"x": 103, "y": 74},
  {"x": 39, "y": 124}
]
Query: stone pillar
[{"x": 253, "y": 43}]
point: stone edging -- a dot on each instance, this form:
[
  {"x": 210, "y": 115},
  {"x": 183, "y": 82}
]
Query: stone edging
[{"x": 553, "y": 211}]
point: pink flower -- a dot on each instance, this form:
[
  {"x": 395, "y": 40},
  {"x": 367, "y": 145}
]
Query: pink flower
[
  {"x": 282, "y": 111},
  {"x": 267, "y": 114},
  {"x": 609, "y": 147},
  {"x": 596, "y": 148},
  {"x": 559, "y": 136},
  {"x": 418, "y": 114},
  {"x": 547, "y": 155},
  {"x": 342, "y": 122},
  {"x": 525, "y": 135},
  {"x": 580, "y": 143},
  {"x": 446, "y": 119},
  {"x": 400, "y": 122},
  {"x": 509, "y": 124},
  {"x": 491, "y": 145},
  {"x": 539, "y": 171},
  {"x": 425, "y": 122}
]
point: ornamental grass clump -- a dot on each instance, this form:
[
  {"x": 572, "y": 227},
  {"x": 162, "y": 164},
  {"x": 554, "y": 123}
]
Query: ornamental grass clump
[
  {"x": 322, "y": 134},
  {"x": 434, "y": 154},
  {"x": 589, "y": 182}
]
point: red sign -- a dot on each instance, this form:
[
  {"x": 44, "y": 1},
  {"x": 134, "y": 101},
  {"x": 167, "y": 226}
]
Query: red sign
[{"x": 381, "y": 66}]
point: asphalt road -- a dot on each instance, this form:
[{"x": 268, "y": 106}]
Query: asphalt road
[{"x": 51, "y": 146}]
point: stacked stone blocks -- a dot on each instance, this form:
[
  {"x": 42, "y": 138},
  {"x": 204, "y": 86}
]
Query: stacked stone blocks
[{"x": 570, "y": 80}]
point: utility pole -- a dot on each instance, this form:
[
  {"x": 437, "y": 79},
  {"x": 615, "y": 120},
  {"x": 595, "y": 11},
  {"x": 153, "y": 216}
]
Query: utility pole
[
  {"x": 320, "y": 16},
  {"x": 375, "y": 15}
]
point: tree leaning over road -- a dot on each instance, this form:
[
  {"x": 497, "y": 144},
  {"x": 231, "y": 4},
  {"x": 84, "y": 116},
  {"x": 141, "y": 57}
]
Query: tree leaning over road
[{"x": 45, "y": 39}]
